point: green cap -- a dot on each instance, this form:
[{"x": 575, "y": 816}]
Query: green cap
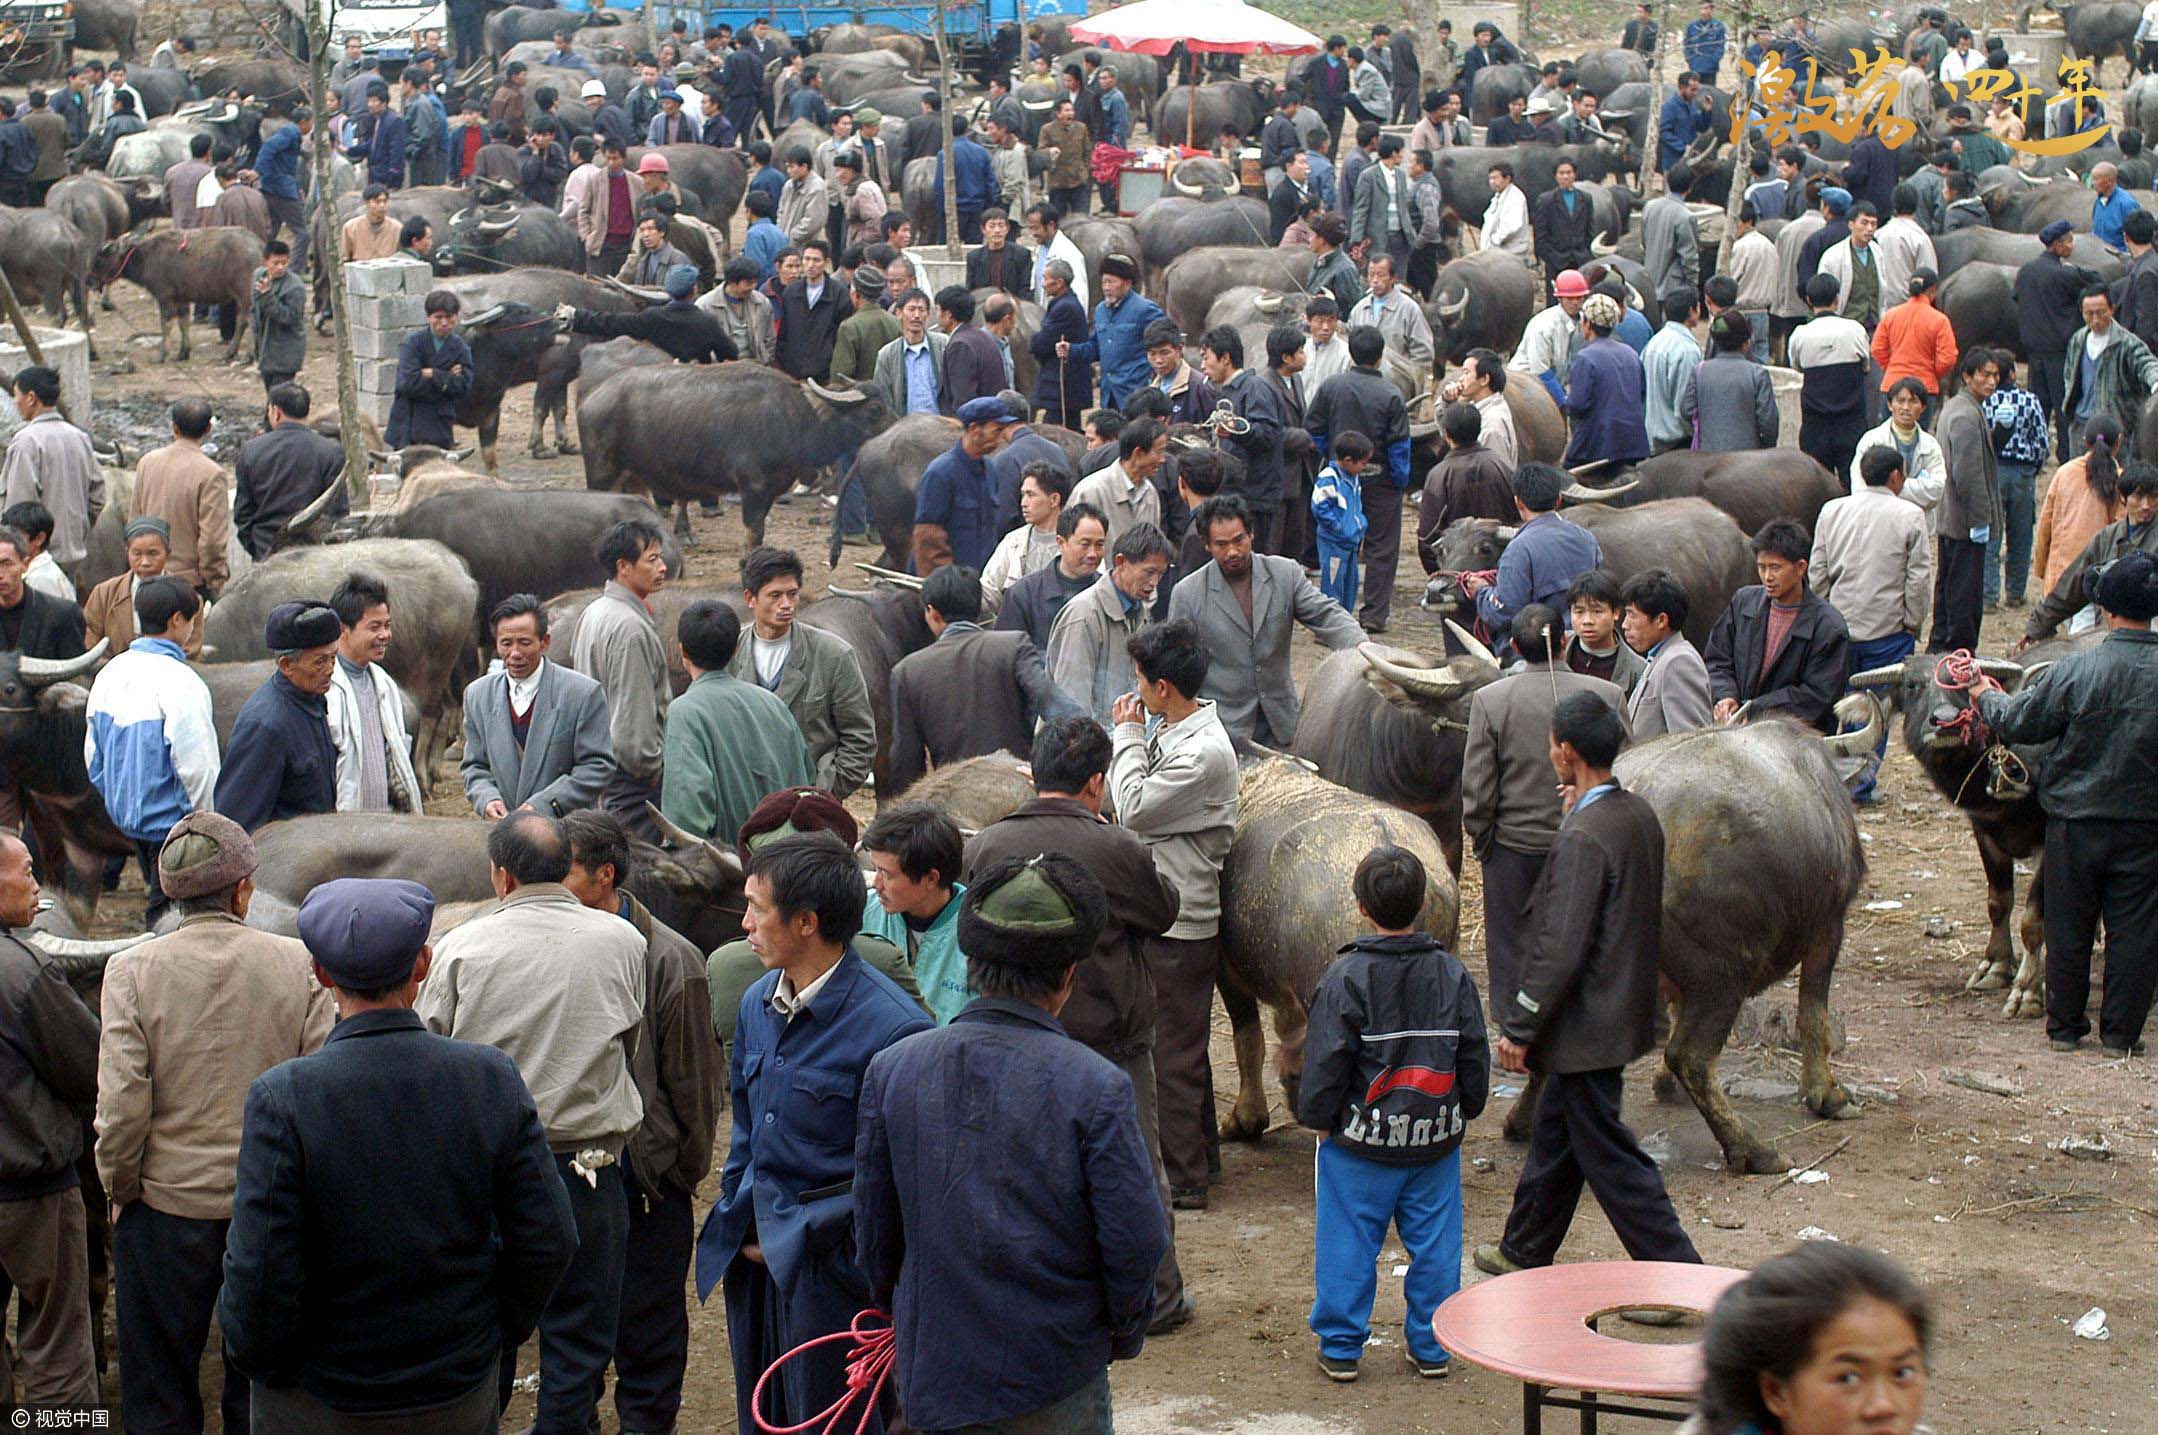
[{"x": 1041, "y": 911}]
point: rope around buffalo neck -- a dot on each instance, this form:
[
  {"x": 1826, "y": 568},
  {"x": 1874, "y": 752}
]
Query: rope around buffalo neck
[
  {"x": 2006, "y": 776},
  {"x": 869, "y": 1364}
]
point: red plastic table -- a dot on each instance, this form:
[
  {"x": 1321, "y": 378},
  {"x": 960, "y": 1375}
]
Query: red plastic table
[{"x": 1539, "y": 1326}]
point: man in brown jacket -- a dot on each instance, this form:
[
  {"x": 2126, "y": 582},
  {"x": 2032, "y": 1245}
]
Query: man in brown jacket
[
  {"x": 1586, "y": 1005},
  {"x": 1112, "y": 1002},
  {"x": 1067, "y": 139},
  {"x": 186, "y": 487},
  {"x": 508, "y": 105},
  {"x": 1470, "y": 482},
  {"x": 190, "y": 1019},
  {"x": 677, "y": 1068}
]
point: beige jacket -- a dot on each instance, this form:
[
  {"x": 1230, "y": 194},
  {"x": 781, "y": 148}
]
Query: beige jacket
[
  {"x": 190, "y": 1019},
  {"x": 186, "y": 487},
  {"x": 560, "y": 988}
]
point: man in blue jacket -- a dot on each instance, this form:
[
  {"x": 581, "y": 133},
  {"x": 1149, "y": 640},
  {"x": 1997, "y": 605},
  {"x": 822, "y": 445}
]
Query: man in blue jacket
[
  {"x": 384, "y": 149},
  {"x": 398, "y": 1220},
  {"x": 977, "y": 182},
  {"x": 1546, "y": 555},
  {"x": 1606, "y": 392},
  {"x": 781, "y": 1233},
  {"x": 1119, "y": 340},
  {"x": 1704, "y": 42},
  {"x": 280, "y": 761},
  {"x": 1063, "y": 1193},
  {"x": 277, "y": 167},
  {"x": 1684, "y": 115}
]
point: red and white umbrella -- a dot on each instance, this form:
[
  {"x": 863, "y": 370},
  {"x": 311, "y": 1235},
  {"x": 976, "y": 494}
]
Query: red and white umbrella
[{"x": 1155, "y": 27}]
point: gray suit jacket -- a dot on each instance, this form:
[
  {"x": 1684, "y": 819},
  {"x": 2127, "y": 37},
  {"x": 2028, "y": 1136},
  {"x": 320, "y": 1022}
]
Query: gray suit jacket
[
  {"x": 567, "y": 758},
  {"x": 890, "y": 373},
  {"x": 822, "y": 686},
  {"x": 1250, "y": 673},
  {"x": 1973, "y": 496},
  {"x": 1672, "y": 695},
  {"x": 1507, "y": 795}
]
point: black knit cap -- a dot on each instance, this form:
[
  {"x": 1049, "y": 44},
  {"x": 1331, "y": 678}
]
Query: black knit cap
[{"x": 1043, "y": 911}]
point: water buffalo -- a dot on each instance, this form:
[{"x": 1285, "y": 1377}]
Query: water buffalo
[
  {"x": 513, "y": 24},
  {"x": 232, "y": 684},
  {"x": 887, "y": 469},
  {"x": 276, "y": 81},
  {"x": 1141, "y": 77},
  {"x": 41, "y": 750},
  {"x": 431, "y": 594},
  {"x": 1692, "y": 538},
  {"x": 488, "y": 238},
  {"x": 1752, "y": 486},
  {"x": 183, "y": 268},
  {"x": 1980, "y": 245},
  {"x": 1481, "y": 301},
  {"x": 1286, "y": 912},
  {"x": 1256, "y": 306},
  {"x": 850, "y": 78},
  {"x": 1980, "y": 302},
  {"x": 1097, "y": 237},
  {"x": 566, "y": 609},
  {"x": 1176, "y": 225},
  {"x": 1465, "y": 173},
  {"x": 2029, "y": 210},
  {"x": 2002, "y": 806},
  {"x": 1761, "y": 862},
  {"x": 2099, "y": 31},
  {"x": 110, "y": 25},
  {"x": 692, "y": 885},
  {"x": 1494, "y": 85},
  {"x": 861, "y": 39},
  {"x": 976, "y": 791},
  {"x": 1198, "y": 114},
  {"x": 1539, "y": 427},
  {"x": 508, "y": 320},
  {"x": 2139, "y": 106},
  {"x": 1602, "y": 71},
  {"x": 1195, "y": 278},
  {"x": 717, "y": 177},
  {"x": 48, "y": 259},
  {"x": 673, "y": 433},
  {"x": 163, "y": 91},
  {"x": 92, "y": 203}
]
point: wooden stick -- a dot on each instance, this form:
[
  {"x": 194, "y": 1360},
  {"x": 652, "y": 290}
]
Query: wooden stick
[{"x": 1793, "y": 1175}]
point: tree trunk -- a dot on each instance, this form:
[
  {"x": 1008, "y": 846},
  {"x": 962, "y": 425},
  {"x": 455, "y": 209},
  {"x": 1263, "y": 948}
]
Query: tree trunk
[
  {"x": 348, "y": 393},
  {"x": 953, "y": 248}
]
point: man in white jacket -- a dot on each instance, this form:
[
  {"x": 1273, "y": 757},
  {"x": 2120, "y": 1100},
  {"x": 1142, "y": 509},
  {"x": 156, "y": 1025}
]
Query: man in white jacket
[
  {"x": 151, "y": 747},
  {"x": 366, "y": 707}
]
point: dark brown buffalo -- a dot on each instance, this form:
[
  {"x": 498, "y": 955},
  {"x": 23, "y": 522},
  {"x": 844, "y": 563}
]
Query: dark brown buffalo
[
  {"x": 181, "y": 269},
  {"x": 1754, "y": 486}
]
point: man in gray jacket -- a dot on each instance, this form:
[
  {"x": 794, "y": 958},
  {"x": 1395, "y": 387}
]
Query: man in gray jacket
[
  {"x": 1671, "y": 247},
  {"x": 1970, "y": 506},
  {"x": 1672, "y": 695},
  {"x": 535, "y": 732},
  {"x": 1509, "y": 808},
  {"x": 813, "y": 672},
  {"x": 1175, "y": 787},
  {"x": 618, "y": 647},
  {"x": 1246, "y": 607},
  {"x": 1090, "y": 641}
]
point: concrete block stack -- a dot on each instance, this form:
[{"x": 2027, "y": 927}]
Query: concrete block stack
[{"x": 385, "y": 299}]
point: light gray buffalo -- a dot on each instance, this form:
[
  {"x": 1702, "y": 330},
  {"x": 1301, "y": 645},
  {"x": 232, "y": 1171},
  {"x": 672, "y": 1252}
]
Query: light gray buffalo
[
  {"x": 1196, "y": 278},
  {"x": 1175, "y": 225}
]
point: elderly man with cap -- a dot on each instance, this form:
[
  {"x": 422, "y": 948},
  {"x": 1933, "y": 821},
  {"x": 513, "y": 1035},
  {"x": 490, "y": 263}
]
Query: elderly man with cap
[
  {"x": 281, "y": 760},
  {"x": 671, "y": 125},
  {"x": 151, "y": 745},
  {"x": 734, "y": 968},
  {"x": 1835, "y": 212},
  {"x": 2048, "y": 293},
  {"x": 561, "y": 988},
  {"x": 108, "y": 610},
  {"x": 1061, "y": 1186},
  {"x": 349, "y": 1309},
  {"x": 2100, "y": 705},
  {"x": 863, "y": 333},
  {"x": 686, "y": 332},
  {"x": 1118, "y": 342},
  {"x": 1605, "y": 392},
  {"x": 190, "y": 1019},
  {"x": 955, "y": 503},
  {"x": 677, "y": 1069},
  {"x": 49, "y": 1079},
  {"x": 805, "y": 1033}
]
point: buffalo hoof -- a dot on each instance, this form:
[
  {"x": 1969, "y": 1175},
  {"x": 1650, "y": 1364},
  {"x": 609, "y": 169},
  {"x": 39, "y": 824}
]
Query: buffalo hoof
[
  {"x": 2024, "y": 1004},
  {"x": 1668, "y": 1091},
  {"x": 1833, "y": 1102},
  {"x": 567, "y": 448},
  {"x": 540, "y": 450},
  {"x": 1750, "y": 1159},
  {"x": 1991, "y": 977},
  {"x": 1243, "y": 1125},
  {"x": 1518, "y": 1122}
]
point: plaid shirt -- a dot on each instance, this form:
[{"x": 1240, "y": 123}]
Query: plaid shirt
[{"x": 2018, "y": 421}]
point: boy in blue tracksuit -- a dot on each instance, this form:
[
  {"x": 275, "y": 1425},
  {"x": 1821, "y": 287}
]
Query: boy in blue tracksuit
[
  {"x": 1337, "y": 515},
  {"x": 1395, "y": 1065}
]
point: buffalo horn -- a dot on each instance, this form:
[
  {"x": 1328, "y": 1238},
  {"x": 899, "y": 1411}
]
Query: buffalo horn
[
  {"x": 1194, "y": 191},
  {"x": 1470, "y": 644},
  {"x": 835, "y": 396},
  {"x": 1583, "y": 470},
  {"x": 1598, "y": 245},
  {"x": 314, "y": 510},
  {"x": 79, "y": 956},
  {"x": 40, "y": 671},
  {"x": 1423, "y": 428},
  {"x": 687, "y": 841},
  {"x": 486, "y": 316},
  {"x": 1037, "y": 104},
  {"x": 1437, "y": 684},
  {"x": 490, "y": 229},
  {"x": 913, "y": 79},
  {"x": 1452, "y": 313},
  {"x": 1508, "y": 532},
  {"x": 1427, "y": 397},
  {"x": 1877, "y": 678},
  {"x": 1851, "y": 708},
  {"x": 1268, "y": 302},
  {"x": 2005, "y": 671},
  {"x": 1575, "y": 493},
  {"x": 846, "y": 109},
  {"x": 892, "y": 575}
]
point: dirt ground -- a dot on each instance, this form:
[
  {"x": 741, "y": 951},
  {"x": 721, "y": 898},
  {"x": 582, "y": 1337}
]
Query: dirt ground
[{"x": 2014, "y": 1240}]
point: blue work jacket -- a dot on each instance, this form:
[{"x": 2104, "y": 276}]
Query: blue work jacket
[
  {"x": 958, "y": 495},
  {"x": 1119, "y": 346}
]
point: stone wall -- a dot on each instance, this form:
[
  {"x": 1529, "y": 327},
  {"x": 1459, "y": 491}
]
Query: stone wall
[{"x": 215, "y": 24}]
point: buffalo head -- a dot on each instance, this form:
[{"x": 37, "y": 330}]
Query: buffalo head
[
  {"x": 1475, "y": 545},
  {"x": 23, "y": 679},
  {"x": 1440, "y": 692},
  {"x": 1940, "y": 719},
  {"x": 692, "y": 884}
]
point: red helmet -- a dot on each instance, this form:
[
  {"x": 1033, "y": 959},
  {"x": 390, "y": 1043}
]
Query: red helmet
[{"x": 1569, "y": 284}]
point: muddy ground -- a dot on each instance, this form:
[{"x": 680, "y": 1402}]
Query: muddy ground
[{"x": 2015, "y": 1240}]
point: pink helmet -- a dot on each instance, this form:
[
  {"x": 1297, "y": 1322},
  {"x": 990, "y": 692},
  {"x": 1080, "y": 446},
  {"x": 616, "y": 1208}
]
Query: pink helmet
[{"x": 1569, "y": 284}]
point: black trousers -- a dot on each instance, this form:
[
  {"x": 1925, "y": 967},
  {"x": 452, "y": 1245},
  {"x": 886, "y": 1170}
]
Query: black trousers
[
  {"x": 625, "y": 797},
  {"x": 651, "y": 1339},
  {"x": 146, "y": 858},
  {"x": 1183, "y": 973},
  {"x": 468, "y": 25},
  {"x": 166, "y": 1273},
  {"x": 1070, "y": 201},
  {"x": 1382, "y": 543},
  {"x": 1264, "y": 524},
  {"x": 2048, "y": 379},
  {"x": 1959, "y": 594},
  {"x": 1580, "y": 1140},
  {"x": 1509, "y": 882},
  {"x": 2096, "y": 868},
  {"x": 576, "y": 1330},
  {"x": 608, "y": 262}
]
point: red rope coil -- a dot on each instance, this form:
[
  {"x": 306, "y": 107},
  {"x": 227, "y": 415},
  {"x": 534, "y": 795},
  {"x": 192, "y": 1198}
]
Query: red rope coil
[{"x": 869, "y": 1364}]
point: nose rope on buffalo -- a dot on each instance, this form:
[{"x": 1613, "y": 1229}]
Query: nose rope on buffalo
[
  {"x": 869, "y": 1364},
  {"x": 2006, "y": 776}
]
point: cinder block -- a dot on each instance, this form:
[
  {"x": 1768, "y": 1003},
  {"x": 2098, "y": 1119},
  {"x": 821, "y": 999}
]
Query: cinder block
[
  {"x": 377, "y": 406},
  {"x": 377, "y": 343},
  {"x": 387, "y": 311},
  {"x": 376, "y": 376},
  {"x": 376, "y": 277}
]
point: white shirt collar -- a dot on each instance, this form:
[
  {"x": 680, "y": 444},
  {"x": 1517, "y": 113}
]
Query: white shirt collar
[
  {"x": 523, "y": 690},
  {"x": 789, "y": 1003}
]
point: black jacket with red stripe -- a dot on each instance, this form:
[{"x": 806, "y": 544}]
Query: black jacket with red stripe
[{"x": 1395, "y": 1060}]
